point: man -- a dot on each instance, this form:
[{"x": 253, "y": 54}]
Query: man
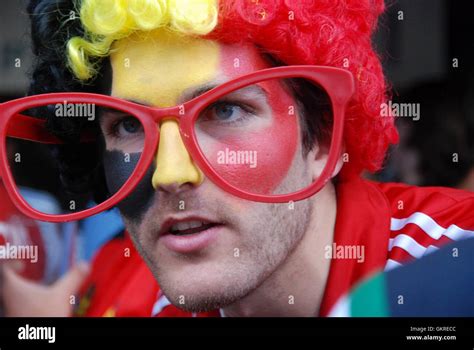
[{"x": 213, "y": 249}]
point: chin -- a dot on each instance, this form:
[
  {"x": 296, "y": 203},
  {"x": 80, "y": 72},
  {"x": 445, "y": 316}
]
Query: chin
[
  {"x": 199, "y": 295},
  {"x": 203, "y": 288}
]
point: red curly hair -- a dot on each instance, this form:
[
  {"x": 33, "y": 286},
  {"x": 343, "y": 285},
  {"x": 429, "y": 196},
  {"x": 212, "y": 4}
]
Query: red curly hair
[{"x": 330, "y": 33}]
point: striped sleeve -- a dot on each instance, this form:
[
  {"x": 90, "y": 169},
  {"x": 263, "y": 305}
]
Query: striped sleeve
[{"x": 425, "y": 231}]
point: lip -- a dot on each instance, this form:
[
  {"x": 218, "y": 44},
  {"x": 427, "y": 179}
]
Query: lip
[{"x": 188, "y": 243}]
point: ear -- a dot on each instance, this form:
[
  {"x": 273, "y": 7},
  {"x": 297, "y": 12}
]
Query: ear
[
  {"x": 340, "y": 162},
  {"x": 318, "y": 158}
]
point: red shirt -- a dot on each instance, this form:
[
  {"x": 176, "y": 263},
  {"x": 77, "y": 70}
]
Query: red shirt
[{"x": 395, "y": 223}]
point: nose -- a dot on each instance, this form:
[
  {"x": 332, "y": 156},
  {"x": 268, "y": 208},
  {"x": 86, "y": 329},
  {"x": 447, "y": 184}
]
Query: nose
[{"x": 174, "y": 165}]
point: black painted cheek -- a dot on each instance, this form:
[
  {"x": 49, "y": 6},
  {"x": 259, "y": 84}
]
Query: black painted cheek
[{"x": 117, "y": 171}]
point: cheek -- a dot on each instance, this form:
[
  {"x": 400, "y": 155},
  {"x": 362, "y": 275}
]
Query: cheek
[
  {"x": 117, "y": 172},
  {"x": 275, "y": 146},
  {"x": 265, "y": 156}
]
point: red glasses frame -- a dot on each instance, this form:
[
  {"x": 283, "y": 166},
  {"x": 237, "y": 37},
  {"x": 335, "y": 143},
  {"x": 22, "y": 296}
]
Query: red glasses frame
[{"x": 338, "y": 84}]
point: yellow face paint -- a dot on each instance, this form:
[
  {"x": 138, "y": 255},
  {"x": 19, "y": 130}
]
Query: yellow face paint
[
  {"x": 156, "y": 68},
  {"x": 174, "y": 165}
]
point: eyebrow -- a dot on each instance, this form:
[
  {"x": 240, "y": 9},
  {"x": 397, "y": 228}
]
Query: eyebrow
[
  {"x": 187, "y": 96},
  {"x": 139, "y": 103},
  {"x": 195, "y": 92},
  {"x": 254, "y": 88}
]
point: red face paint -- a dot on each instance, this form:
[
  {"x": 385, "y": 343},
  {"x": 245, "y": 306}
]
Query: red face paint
[{"x": 257, "y": 160}]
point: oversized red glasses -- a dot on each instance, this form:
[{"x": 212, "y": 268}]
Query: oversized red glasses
[{"x": 245, "y": 135}]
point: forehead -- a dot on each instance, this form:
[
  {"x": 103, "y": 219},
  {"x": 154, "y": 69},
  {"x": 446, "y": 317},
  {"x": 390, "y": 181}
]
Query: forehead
[{"x": 159, "y": 67}]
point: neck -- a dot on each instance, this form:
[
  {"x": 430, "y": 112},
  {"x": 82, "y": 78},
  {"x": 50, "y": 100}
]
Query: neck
[{"x": 297, "y": 286}]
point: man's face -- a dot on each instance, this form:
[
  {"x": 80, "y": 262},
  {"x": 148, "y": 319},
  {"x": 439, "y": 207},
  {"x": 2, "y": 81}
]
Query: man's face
[{"x": 241, "y": 242}]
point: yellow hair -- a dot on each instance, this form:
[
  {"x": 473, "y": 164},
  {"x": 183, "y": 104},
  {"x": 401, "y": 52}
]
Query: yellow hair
[{"x": 106, "y": 21}]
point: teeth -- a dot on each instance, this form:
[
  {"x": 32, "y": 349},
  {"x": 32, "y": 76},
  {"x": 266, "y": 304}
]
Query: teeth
[{"x": 181, "y": 226}]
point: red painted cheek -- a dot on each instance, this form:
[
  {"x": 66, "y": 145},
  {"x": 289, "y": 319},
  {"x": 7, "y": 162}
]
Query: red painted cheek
[
  {"x": 274, "y": 148},
  {"x": 275, "y": 145}
]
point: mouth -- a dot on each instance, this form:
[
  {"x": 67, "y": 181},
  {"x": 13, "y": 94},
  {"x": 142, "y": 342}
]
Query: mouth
[
  {"x": 189, "y": 234},
  {"x": 190, "y": 227}
]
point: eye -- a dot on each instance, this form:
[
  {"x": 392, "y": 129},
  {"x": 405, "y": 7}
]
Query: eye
[
  {"x": 227, "y": 112},
  {"x": 128, "y": 125}
]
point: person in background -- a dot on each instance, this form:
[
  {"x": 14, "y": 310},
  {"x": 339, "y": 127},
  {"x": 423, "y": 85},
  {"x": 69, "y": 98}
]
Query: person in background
[
  {"x": 438, "y": 148},
  {"x": 32, "y": 257}
]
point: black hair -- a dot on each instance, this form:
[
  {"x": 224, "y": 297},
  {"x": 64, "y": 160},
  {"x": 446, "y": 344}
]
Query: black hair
[{"x": 53, "y": 23}]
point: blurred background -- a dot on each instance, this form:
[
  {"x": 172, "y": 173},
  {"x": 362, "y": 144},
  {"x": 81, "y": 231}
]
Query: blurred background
[{"x": 427, "y": 53}]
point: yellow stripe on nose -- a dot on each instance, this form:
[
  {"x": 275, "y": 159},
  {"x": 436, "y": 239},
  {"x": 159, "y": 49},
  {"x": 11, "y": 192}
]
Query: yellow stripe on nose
[{"x": 174, "y": 165}]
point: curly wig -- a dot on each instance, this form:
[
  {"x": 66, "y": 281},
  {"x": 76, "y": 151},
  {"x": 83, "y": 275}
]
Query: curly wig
[{"x": 70, "y": 49}]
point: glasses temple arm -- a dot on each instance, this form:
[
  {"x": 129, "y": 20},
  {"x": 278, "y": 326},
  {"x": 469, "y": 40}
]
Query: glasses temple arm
[{"x": 34, "y": 129}]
